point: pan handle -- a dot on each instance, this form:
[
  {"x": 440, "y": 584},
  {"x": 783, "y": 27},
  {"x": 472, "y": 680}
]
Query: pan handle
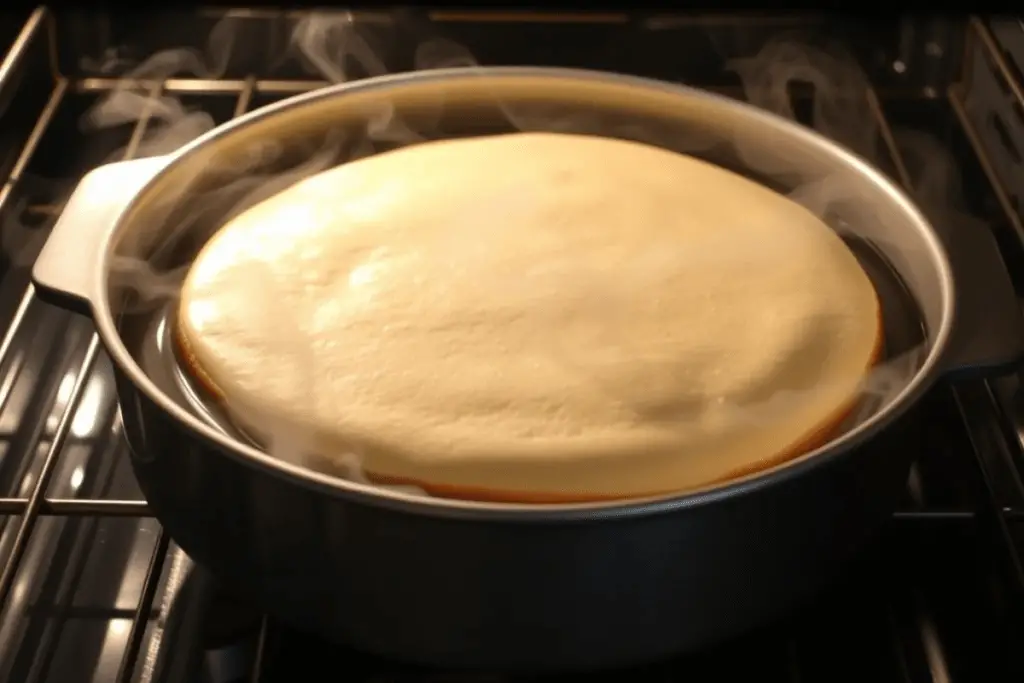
[
  {"x": 67, "y": 273},
  {"x": 988, "y": 326}
]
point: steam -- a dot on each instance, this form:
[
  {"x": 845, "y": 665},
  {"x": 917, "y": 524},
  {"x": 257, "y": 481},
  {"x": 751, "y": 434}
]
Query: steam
[
  {"x": 331, "y": 43},
  {"x": 840, "y": 107},
  {"x": 835, "y": 85},
  {"x": 333, "y": 47}
]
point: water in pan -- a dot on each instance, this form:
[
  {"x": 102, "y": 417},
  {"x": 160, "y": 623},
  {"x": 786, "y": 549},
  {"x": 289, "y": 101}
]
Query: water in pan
[{"x": 150, "y": 339}]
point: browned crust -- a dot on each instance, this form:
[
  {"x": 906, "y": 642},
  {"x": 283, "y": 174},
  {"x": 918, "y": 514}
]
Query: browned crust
[
  {"x": 818, "y": 436},
  {"x": 191, "y": 363}
]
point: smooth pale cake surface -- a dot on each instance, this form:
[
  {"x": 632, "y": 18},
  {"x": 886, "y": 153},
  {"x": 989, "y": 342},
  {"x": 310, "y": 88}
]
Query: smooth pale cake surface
[{"x": 541, "y": 316}]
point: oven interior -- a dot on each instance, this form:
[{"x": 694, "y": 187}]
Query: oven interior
[{"x": 91, "y": 589}]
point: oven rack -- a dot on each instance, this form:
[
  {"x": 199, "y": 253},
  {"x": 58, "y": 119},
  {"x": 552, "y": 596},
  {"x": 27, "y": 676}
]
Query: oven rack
[{"x": 994, "y": 440}]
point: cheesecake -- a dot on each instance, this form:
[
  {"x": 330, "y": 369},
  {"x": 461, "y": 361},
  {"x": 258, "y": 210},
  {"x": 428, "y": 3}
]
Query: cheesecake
[{"x": 532, "y": 318}]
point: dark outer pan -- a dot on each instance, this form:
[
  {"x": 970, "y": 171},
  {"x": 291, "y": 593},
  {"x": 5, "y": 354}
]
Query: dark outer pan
[{"x": 517, "y": 587}]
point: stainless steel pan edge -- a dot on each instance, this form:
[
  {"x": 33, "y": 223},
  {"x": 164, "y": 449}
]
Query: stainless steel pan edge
[{"x": 71, "y": 271}]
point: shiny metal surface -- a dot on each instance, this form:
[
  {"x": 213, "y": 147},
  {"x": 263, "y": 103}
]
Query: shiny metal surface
[
  {"x": 122, "y": 208},
  {"x": 99, "y": 596}
]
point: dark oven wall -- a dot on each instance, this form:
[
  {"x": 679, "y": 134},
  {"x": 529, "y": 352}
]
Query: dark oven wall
[{"x": 913, "y": 53}]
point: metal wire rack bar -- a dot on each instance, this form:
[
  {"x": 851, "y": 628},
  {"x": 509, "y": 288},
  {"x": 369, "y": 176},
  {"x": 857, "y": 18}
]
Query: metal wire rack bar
[
  {"x": 72, "y": 507},
  {"x": 29, "y": 509},
  {"x": 284, "y": 87},
  {"x": 144, "y": 609},
  {"x": 31, "y": 515}
]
